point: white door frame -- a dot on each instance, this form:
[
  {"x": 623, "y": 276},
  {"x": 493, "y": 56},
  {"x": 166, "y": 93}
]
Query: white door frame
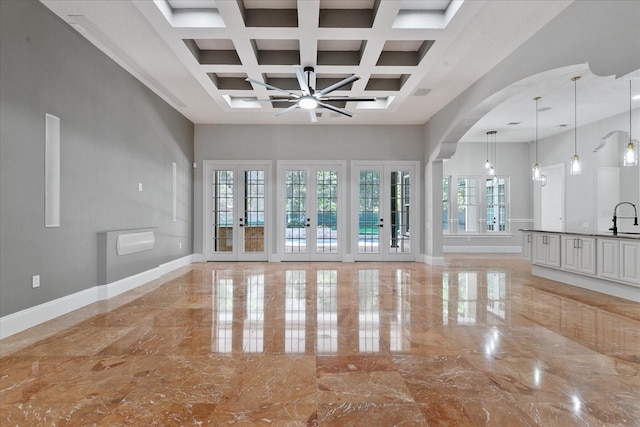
[
  {"x": 238, "y": 253},
  {"x": 311, "y": 166},
  {"x": 384, "y": 254}
]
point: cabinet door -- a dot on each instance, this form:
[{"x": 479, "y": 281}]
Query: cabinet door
[
  {"x": 553, "y": 247},
  {"x": 608, "y": 259},
  {"x": 570, "y": 253},
  {"x": 630, "y": 261},
  {"x": 587, "y": 255},
  {"x": 526, "y": 246},
  {"x": 539, "y": 249}
]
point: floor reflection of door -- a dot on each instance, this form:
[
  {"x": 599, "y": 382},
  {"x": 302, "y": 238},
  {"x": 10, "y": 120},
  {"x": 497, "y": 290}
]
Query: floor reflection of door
[
  {"x": 310, "y": 215},
  {"x": 383, "y": 210},
  {"x": 236, "y": 211}
]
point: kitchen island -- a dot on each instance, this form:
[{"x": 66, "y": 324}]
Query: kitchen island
[{"x": 601, "y": 262}]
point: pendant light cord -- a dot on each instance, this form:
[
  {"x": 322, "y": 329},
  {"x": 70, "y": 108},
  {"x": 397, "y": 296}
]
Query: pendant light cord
[
  {"x": 575, "y": 115},
  {"x": 630, "y": 140},
  {"x": 537, "y": 98}
]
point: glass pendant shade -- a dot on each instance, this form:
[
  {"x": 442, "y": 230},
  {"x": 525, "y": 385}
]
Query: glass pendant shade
[
  {"x": 492, "y": 170},
  {"x": 576, "y": 166},
  {"x": 630, "y": 158},
  {"x": 536, "y": 172},
  {"x": 487, "y": 164}
]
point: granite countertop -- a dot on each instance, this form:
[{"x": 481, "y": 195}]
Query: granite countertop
[{"x": 621, "y": 235}]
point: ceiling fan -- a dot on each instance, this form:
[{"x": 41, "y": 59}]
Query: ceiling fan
[{"x": 309, "y": 99}]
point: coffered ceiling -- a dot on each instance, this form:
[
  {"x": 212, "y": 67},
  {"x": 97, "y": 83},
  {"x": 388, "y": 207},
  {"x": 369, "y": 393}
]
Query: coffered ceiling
[{"x": 414, "y": 56}]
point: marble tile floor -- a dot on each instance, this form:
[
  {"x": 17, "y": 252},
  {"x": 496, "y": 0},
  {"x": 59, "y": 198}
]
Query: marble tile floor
[{"x": 477, "y": 342}]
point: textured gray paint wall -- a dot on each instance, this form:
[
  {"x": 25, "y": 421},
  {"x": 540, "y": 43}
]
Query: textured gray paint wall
[{"x": 115, "y": 133}]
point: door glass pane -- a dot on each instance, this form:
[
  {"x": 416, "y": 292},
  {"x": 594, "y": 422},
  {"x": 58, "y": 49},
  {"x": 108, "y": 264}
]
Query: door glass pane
[
  {"x": 368, "y": 213},
  {"x": 222, "y": 211},
  {"x": 254, "y": 211},
  {"x": 296, "y": 211},
  {"x": 399, "y": 212},
  {"x": 327, "y": 207}
]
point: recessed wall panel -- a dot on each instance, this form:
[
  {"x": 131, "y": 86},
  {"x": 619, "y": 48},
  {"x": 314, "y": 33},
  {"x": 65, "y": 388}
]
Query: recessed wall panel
[{"x": 52, "y": 171}]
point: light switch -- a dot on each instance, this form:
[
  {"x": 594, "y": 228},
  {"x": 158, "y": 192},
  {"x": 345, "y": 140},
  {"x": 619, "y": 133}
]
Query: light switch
[{"x": 139, "y": 186}]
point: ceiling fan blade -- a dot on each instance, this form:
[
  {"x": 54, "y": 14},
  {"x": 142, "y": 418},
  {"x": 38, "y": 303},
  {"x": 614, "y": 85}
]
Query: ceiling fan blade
[
  {"x": 286, "y": 110},
  {"x": 336, "y": 109},
  {"x": 268, "y": 86},
  {"x": 313, "y": 116},
  {"x": 304, "y": 86},
  {"x": 269, "y": 100},
  {"x": 350, "y": 98},
  {"x": 340, "y": 84}
]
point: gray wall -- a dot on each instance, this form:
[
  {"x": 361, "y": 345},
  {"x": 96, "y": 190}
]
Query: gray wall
[
  {"x": 580, "y": 190},
  {"x": 304, "y": 142},
  {"x": 513, "y": 160},
  {"x": 115, "y": 133}
]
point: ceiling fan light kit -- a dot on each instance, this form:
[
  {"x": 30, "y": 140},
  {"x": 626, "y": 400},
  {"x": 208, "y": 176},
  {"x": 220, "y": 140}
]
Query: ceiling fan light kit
[{"x": 310, "y": 99}]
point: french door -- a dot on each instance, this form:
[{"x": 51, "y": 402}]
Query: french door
[
  {"x": 310, "y": 224},
  {"x": 236, "y": 211},
  {"x": 384, "y": 212}
]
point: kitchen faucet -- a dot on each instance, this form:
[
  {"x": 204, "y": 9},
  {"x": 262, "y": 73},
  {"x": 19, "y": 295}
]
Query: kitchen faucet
[{"x": 615, "y": 224}]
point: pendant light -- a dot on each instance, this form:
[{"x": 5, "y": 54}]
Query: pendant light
[
  {"x": 630, "y": 156},
  {"x": 492, "y": 168},
  {"x": 487, "y": 164},
  {"x": 576, "y": 167},
  {"x": 536, "y": 171}
]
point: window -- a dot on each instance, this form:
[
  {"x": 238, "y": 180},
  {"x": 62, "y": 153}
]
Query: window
[
  {"x": 445, "y": 204},
  {"x": 495, "y": 191},
  {"x": 468, "y": 204}
]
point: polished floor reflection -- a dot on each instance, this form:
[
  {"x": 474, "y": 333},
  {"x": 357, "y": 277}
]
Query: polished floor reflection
[{"x": 477, "y": 342}]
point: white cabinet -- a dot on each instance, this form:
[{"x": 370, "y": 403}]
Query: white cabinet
[
  {"x": 526, "y": 246},
  {"x": 608, "y": 259},
  {"x": 630, "y": 261},
  {"x": 578, "y": 254},
  {"x": 546, "y": 249}
]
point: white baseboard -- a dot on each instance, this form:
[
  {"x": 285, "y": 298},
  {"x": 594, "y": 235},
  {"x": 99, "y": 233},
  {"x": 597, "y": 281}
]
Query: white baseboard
[
  {"x": 32, "y": 316},
  {"x": 483, "y": 249}
]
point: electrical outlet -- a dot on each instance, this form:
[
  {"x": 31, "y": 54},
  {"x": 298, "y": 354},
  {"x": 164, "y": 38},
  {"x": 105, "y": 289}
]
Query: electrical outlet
[
  {"x": 180, "y": 245},
  {"x": 139, "y": 186},
  {"x": 35, "y": 281}
]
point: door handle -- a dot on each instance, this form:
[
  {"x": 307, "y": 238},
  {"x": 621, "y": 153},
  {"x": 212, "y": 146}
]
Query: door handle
[{"x": 308, "y": 224}]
